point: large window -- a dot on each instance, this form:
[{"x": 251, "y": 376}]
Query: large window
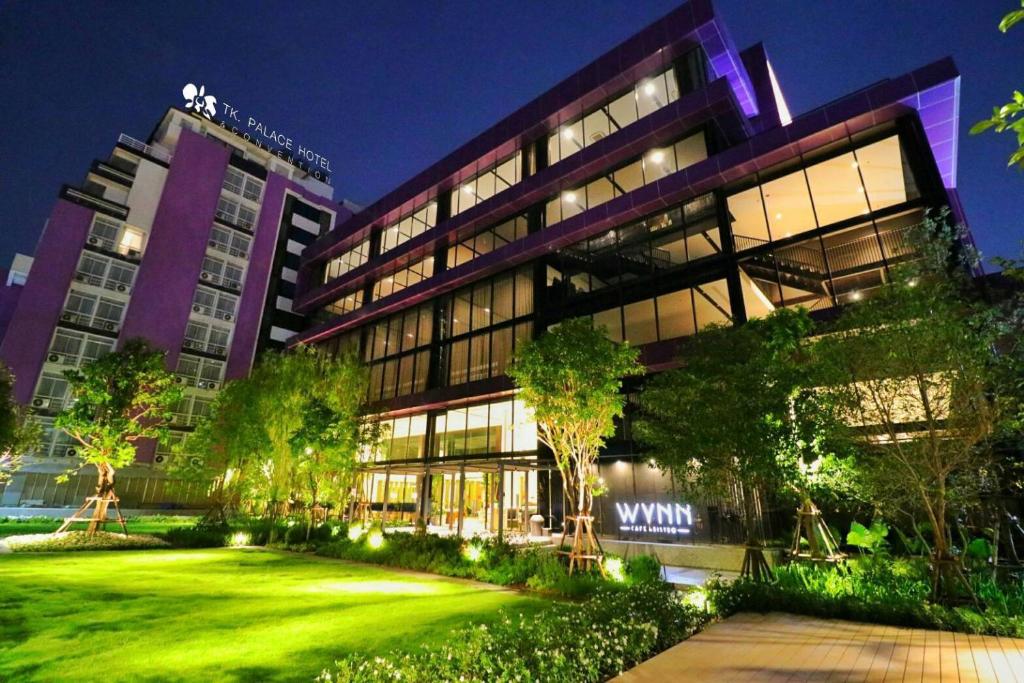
[
  {"x": 72, "y": 348},
  {"x": 243, "y": 185},
  {"x": 113, "y": 235},
  {"x": 404, "y": 277},
  {"x": 105, "y": 272},
  {"x": 489, "y": 429},
  {"x": 821, "y": 272},
  {"x": 207, "y": 337},
  {"x": 487, "y": 241},
  {"x": 93, "y": 310},
  {"x": 482, "y": 324},
  {"x": 403, "y": 438},
  {"x": 667, "y": 316},
  {"x": 486, "y": 183},
  {"x": 843, "y": 187},
  {"x": 345, "y": 304},
  {"x": 219, "y": 272},
  {"x": 416, "y": 222},
  {"x": 636, "y": 251},
  {"x": 205, "y": 373},
  {"x": 214, "y": 303},
  {"x": 645, "y": 97},
  {"x": 397, "y": 348},
  {"x": 353, "y": 258},
  {"x": 236, "y": 213},
  {"x": 656, "y": 163},
  {"x": 229, "y": 242}
]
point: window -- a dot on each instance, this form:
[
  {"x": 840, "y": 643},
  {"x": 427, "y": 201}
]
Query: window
[
  {"x": 396, "y": 350},
  {"x": 104, "y": 232},
  {"x": 404, "y": 438},
  {"x": 489, "y": 429},
  {"x": 92, "y": 310},
  {"x": 205, "y": 373},
  {"x": 52, "y": 392},
  {"x": 214, "y": 303},
  {"x": 233, "y": 212},
  {"x": 645, "y": 97},
  {"x": 105, "y": 272},
  {"x": 345, "y": 304},
  {"x": 72, "y": 348},
  {"x": 131, "y": 241},
  {"x": 487, "y": 241},
  {"x": 668, "y": 316},
  {"x": 218, "y": 272},
  {"x": 229, "y": 242},
  {"x": 239, "y": 183},
  {"x": 655, "y": 164},
  {"x": 486, "y": 183},
  {"x": 207, "y": 337},
  {"x": 190, "y": 410},
  {"x": 416, "y": 222},
  {"x": 846, "y": 186},
  {"x": 406, "y": 277},
  {"x": 353, "y": 258}
]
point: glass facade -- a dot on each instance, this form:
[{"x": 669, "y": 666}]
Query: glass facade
[
  {"x": 353, "y": 258},
  {"x": 414, "y": 223},
  {"x": 486, "y": 183},
  {"x": 487, "y": 241}
]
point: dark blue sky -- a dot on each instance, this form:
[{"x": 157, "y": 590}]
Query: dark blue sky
[{"x": 384, "y": 89}]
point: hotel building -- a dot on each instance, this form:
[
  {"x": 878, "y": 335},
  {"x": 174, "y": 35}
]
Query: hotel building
[
  {"x": 661, "y": 188},
  {"x": 190, "y": 240}
]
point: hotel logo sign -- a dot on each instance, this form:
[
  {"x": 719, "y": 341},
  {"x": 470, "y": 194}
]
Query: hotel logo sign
[
  {"x": 257, "y": 132},
  {"x": 198, "y": 101},
  {"x": 655, "y": 518}
]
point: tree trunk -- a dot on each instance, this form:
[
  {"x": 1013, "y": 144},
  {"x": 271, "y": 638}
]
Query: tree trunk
[{"x": 755, "y": 566}]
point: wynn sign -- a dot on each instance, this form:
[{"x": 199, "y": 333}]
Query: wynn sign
[{"x": 655, "y": 518}]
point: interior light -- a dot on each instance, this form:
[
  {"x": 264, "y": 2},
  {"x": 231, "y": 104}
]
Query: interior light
[
  {"x": 649, "y": 89},
  {"x": 778, "y": 216},
  {"x": 855, "y": 295},
  {"x": 487, "y": 310},
  {"x": 455, "y": 320},
  {"x": 860, "y": 189},
  {"x": 854, "y": 164},
  {"x": 569, "y": 197},
  {"x": 467, "y": 189},
  {"x": 600, "y": 480},
  {"x": 567, "y": 133},
  {"x": 658, "y": 156}
]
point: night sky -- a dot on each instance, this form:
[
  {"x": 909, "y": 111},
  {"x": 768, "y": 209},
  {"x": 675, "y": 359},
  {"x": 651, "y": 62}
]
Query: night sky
[{"x": 384, "y": 89}]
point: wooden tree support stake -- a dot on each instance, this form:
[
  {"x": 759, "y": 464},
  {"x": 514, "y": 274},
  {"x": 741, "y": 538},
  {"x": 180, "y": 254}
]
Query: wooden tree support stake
[
  {"x": 586, "y": 551},
  {"x": 811, "y": 525},
  {"x": 101, "y": 501}
]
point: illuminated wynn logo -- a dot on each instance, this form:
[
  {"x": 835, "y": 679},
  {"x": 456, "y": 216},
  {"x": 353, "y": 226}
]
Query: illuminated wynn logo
[{"x": 655, "y": 518}]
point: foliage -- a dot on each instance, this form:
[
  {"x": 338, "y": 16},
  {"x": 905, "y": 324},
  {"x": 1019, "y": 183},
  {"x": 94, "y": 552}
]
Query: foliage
[
  {"x": 493, "y": 562},
  {"x": 290, "y": 432},
  {"x": 891, "y": 592},
  {"x": 739, "y": 406},
  {"x": 81, "y": 540},
  {"x": 914, "y": 371},
  {"x": 223, "y": 614},
  {"x": 18, "y": 433},
  {"x": 623, "y": 627},
  {"x": 571, "y": 377},
  {"x": 871, "y": 539},
  {"x": 1009, "y": 116},
  {"x": 117, "y": 400}
]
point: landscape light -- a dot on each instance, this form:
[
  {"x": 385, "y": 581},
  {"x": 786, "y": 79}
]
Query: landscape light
[
  {"x": 375, "y": 539},
  {"x": 698, "y": 598},
  {"x": 354, "y": 532},
  {"x": 239, "y": 539},
  {"x": 615, "y": 569},
  {"x": 472, "y": 552}
]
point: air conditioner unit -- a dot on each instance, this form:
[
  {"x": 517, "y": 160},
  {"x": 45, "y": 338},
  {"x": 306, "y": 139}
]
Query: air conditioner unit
[
  {"x": 40, "y": 403},
  {"x": 80, "y": 277},
  {"x": 70, "y": 452},
  {"x": 133, "y": 253},
  {"x": 197, "y": 309},
  {"x": 110, "y": 326},
  {"x": 94, "y": 240},
  {"x": 159, "y": 459},
  {"x": 67, "y": 316},
  {"x": 243, "y": 254},
  {"x": 204, "y": 275},
  {"x": 178, "y": 379},
  {"x": 211, "y": 385},
  {"x": 212, "y": 243},
  {"x": 235, "y": 285},
  {"x": 195, "y": 461},
  {"x": 228, "y": 316},
  {"x": 53, "y": 358},
  {"x": 122, "y": 288}
]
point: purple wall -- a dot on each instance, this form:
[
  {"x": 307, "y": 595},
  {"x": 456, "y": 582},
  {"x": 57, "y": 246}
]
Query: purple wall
[
  {"x": 162, "y": 295},
  {"x": 42, "y": 299}
]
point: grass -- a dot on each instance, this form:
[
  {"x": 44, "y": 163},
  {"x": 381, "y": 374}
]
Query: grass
[
  {"x": 224, "y": 614},
  {"x": 10, "y": 526}
]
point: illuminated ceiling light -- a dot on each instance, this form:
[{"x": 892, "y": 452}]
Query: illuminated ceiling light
[
  {"x": 854, "y": 164},
  {"x": 860, "y": 189},
  {"x": 855, "y": 295},
  {"x": 600, "y": 480},
  {"x": 649, "y": 89},
  {"x": 569, "y": 197},
  {"x": 455, "y": 320},
  {"x": 467, "y": 189},
  {"x": 778, "y": 216},
  {"x": 487, "y": 310},
  {"x": 409, "y": 335},
  {"x": 658, "y": 156},
  {"x": 568, "y": 134}
]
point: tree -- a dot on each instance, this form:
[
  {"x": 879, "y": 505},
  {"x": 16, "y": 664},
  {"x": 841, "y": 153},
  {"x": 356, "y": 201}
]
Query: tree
[
  {"x": 915, "y": 370},
  {"x": 117, "y": 400},
  {"x": 290, "y": 431},
  {"x": 732, "y": 419},
  {"x": 571, "y": 376},
  {"x": 18, "y": 433},
  {"x": 1009, "y": 116}
]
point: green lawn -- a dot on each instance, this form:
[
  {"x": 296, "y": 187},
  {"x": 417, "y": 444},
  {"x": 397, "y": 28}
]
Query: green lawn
[
  {"x": 224, "y": 614},
  {"x": 136, "y": 525}
]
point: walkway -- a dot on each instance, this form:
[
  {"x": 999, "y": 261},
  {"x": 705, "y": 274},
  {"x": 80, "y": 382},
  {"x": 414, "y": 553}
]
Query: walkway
[{"x": 784, "y": 647}]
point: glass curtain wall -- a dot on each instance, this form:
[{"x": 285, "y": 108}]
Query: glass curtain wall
[
  {"x": 415, "y": 222},
  {"x": 486, "y": 183},
  {"x": 487, "y": 241},
  {"x": 398, "y": 352},
  {"x": 403, "y": 277},
  {"x": 353, "y": 258}
]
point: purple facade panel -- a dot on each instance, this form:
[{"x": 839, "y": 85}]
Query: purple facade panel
[
  {"x": 39, "y": 306},
  {"x": 167, "y": 278}
]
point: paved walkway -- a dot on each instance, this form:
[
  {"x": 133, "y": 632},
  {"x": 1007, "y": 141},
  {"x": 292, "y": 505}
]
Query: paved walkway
[
  {"x": 689, "y": 577},
  {"x": 784, "y": 647}
]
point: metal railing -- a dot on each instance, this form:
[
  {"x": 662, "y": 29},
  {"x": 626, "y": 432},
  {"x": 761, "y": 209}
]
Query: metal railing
[{"x": 140, "y": 146}]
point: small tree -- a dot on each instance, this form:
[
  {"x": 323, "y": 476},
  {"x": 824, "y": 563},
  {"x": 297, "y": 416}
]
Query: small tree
[
  {"x": 726, "y": 422},
  {"x": 915, "y": 369},
  {"x": 571, "y": 377},
  {"x": 117, "y": 400},
  {"x": 18, "y": 433}
]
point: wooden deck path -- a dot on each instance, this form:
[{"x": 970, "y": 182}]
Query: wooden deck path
[{"x": 785, "y": 647}]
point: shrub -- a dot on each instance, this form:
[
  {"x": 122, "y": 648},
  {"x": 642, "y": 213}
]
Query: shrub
[
  {"x": 80, "y": 540},
  {"x": 592, "y": 641},
  {"x": 643, "y": 568},
  {"x": 876, "y": 590},
  {"x": 198, "y": 536}
]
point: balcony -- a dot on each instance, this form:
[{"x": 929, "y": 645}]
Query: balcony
[
  {"x": 141, "y": 147},
  {"x": 91, "y": 201}
]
